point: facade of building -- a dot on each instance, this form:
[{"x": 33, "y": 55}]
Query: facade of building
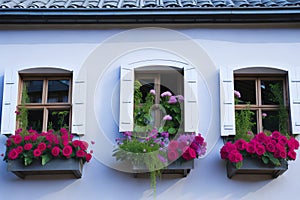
[{"x": 78, "y": 53}]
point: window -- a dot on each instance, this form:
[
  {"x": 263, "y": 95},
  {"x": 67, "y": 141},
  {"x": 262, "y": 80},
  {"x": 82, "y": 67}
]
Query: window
[
  {"x": 162, "y": 78},
  {"x": 48, "y": 101},
  {"x": 267, "y": 92},
  {"x": 50, "y": 92},
  {"x": 266, "y": 97}
]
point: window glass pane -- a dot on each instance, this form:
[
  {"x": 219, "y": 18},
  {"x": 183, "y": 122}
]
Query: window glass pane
[
  {"x": 35, "y": 120},
  {"x": 247, "y": 91},
  {"x": 58, "y": 119},
  {"x": 270, "y": 120},
  {"x": 34, "y": 89},
  {"x": 271, "y": 92},
  {"x": 58, "y": 91}
]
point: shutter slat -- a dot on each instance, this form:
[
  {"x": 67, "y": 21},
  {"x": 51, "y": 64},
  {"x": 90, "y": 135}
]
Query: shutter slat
[
  {"x": 294, "y": 87},
  {"x": 227, "y": 102},
  {"x": 191, "y": 110},
  {"x": 10, "y": 98},
  {"x": 79, "y": 104},
  {"x": 126, "y": 99}
]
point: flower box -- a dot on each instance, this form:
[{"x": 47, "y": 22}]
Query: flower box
[
  {"x": 256, "y": 167},
  {"x": 70, "y": 167},
  {"x": 176, "y": 167}
]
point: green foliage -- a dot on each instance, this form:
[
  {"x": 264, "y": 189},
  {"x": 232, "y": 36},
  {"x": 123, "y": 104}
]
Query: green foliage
[
  {"x": 142, "y": 110},
  {"x": 61, "y": 115},
  {"x": 22, "y": 112},
  {"x": 243, "y": 124},
  {"x": 277, "y": 91}
]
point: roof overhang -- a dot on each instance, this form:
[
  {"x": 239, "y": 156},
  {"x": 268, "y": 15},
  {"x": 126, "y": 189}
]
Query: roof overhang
[{"x": 146, "y": 16}]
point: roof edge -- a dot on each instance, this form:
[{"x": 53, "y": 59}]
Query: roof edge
[{"x": 162, "y": 15}]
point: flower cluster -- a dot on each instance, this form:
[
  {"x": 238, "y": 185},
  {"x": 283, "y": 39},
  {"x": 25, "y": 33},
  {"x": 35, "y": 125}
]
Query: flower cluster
[
  {"x": 268, "y": 148},
  {"x": 45, "y": 146},
  {"x": 188, "y": 146}
]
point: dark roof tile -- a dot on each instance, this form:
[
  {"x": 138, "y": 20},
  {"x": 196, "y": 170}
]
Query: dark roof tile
[{"x": 105, "y": 4}]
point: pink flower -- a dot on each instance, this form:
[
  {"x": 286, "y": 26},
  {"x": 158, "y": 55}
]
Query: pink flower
[
  {"x": 34, "y": 137},
  {"x": 92, "y": 142},
  {"x": 275, "y": 134},
  {"x": 264, "y": 115},
  {"x": 282, "y": 140},
  {"x": 42, "y": 146},
  {"x": 173, "y": 145},
  {"x": 80, "y": 153},
  {"x": 180, "y": 98},
  {"x": 172, "y": 155},
  {"x": 260, "y": 137},
  {"x": 76, "y": 143},
  {"x": 237, "y": 94},
  {"x": 241, "y": 144},
  {"x": 260, "y": 149},
  {"x": 167, "y": 93},
  {"x": 27, "y": 146},
  {"x": 84, "y": 145},
  {"x": 199, "y": 139},
  {"x": 235, "y": 156},
  {"x": 152, "y": 91},
  {"x": 67, "y": 151},
  {"x": 27, "y": 137},
  {"x": 19, "y": 149},
  {"x": 167, "y": 118},
  {"x": 293, "y": 143},
  {"x": 189, "y": 154},
  {"x": 37, "y": 153},
  {"x": 250, "y": 148},
  {"x": 292, "y": 155},
  {"x": 88, "y": 157},
  {"x": 8, "y": 143},
  {"x": 17, "y": 139},
  {"x": 172, "y": 100},
  {"x": 55, "y": 151},
  {"x": 270, "y": 147},
  {"x": 17, "y": 112},
  {"x": 13, "y": 154}
]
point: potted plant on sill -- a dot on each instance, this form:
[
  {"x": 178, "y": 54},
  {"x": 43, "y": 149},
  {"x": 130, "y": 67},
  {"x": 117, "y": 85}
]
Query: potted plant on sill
[
  {"x": 265, "y": 153},
  {"x": 165, "y": 149},
  {"x": 48, "y": 153}
]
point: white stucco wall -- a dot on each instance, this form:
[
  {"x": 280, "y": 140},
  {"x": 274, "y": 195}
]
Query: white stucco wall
[{"x": 100, "y": 52}]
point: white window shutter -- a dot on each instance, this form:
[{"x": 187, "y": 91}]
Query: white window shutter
[
  {"x": 10, "y": 98},
  {"x": 227, "y": 102},
  {"x": 79, "y": 104},
  {"x": 191, "y": 112},
  {"x": 126, "y": 99},
  {"x": 294, "y": 90}
]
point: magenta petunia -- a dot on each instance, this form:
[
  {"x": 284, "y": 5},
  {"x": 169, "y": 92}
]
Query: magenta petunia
[
  {"x": 42, "y": 146},
  {"x": 28, "y": 146},
  {"x": 55, "y": 151},
  {"x": 13, "y": 154},
  {"x": 292, "y": 155},
  {"x": 67, "y": 151},
  {"x": 80, "y": 153},
  {"x": 37, "y": 153}
]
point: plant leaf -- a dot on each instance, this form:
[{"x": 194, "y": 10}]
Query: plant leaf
[
  {"x": 45, "y": 158},
  {"x": 27, "y": 161},
  {"x": 239, "y": 165},
  {"x": 265, "y": 159},
  {"x": 172, "y": 130}
]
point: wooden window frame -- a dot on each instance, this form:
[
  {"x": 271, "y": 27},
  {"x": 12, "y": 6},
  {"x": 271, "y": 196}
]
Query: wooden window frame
[
  {"x": 44, "y": 105},
  {"x": 259, "y": 107}
]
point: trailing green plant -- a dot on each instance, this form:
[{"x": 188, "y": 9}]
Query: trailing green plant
[{"x": 22, "y": 112}]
